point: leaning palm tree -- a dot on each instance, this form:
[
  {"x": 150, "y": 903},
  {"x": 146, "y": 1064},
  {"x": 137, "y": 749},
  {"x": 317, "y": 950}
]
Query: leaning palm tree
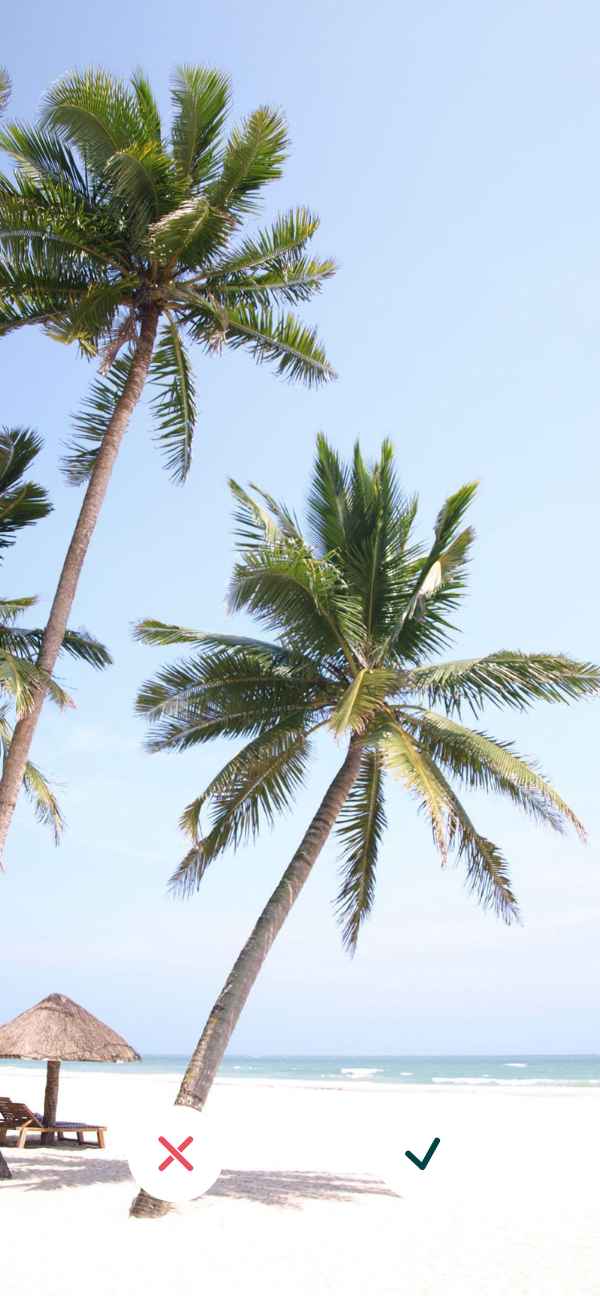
[
  {"x": 22, "y": 503},
  {"x": 130, "y": 242},
  {"x": 358, "y": 613}
]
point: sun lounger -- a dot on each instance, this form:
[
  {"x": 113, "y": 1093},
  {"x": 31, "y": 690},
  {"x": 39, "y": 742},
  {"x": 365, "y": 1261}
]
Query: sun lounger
[{"x": 17, "y": 1116}]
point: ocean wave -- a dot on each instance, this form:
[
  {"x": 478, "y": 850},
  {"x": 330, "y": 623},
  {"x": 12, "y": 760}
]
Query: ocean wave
[
  {"x": 498, "y": 1080},
  {"x": 516, "y": 1064},
  {"x": 361, "y": 1071}
]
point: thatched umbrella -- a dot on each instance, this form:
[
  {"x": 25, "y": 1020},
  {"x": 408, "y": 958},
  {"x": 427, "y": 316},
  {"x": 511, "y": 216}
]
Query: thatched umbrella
[{"x": 59, "y": 1030}]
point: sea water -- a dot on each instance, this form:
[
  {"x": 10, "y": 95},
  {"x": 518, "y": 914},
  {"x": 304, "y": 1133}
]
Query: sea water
[{"x": 513, "y": 1070}]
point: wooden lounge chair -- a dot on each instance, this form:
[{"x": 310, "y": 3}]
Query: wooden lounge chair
[{"x": 17, "y": 1116}]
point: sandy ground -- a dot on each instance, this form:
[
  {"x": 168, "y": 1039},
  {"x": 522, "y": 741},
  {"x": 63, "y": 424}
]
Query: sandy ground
[{"x": 301, "y": 1207}]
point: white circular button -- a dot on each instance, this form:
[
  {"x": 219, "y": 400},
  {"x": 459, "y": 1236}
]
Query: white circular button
[{"x": 175, "y": 1156}]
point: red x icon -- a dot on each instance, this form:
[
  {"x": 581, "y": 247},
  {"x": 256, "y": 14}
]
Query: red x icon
[{"x": 176, "y": 1152}]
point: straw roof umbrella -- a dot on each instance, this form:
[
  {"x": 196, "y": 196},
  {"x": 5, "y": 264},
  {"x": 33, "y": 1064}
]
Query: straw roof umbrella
[{"x": 57, "y": 1029}]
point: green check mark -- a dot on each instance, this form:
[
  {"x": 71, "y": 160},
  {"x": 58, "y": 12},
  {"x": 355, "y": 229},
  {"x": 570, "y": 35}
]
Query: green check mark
[{"x": 422, "y": 1165}]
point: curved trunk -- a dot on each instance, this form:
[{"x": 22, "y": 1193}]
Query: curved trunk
[
  {"x": 198, "y": 1079},
  {"x": 18, "y": 752},
  {"x": 4, "y": 1170}
]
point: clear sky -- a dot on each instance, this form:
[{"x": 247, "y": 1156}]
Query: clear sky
[{"x": 452, "y": 153}]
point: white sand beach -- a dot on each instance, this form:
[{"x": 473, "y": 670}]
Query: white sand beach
[{"x": 300, "y": 1207}]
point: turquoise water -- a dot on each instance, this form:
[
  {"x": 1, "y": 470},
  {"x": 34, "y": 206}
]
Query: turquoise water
[{"x": 554, "y": 1070}]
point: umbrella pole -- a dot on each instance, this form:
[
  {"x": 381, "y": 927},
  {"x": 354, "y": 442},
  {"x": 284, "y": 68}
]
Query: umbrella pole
[{"x": 50, "y": 1098}]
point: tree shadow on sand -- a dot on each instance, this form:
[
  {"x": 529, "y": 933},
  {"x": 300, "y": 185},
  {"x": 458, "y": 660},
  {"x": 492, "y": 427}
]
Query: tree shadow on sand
[
  {"x": 292, "y": 1187},
  {"x": 288, "y": 1188},
  {"x": 78, "y": 1169}
]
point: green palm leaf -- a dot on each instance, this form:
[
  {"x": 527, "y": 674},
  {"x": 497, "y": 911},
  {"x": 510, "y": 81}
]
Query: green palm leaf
[
  {"x": 298, "y": 594},
  {"x": 201, "y": 97},
  {"x": 41, "y": 793},
  {"x": 94, "y": 113},
  {"x": 406, "y": 762},
  {"x": 22, "y": 503},
  {"x": 506, "y": 678},
  {"x": 360, "y": 829},
  {"x": 259, "y": 784},
  {"x": 92, "y": 422},
  {"x": 365, "y": 696},
  {"x": 292, "y": 346},
  {"x": 5, "y": 88},
  {"x": 479, "y": 761},
  {"x": 174, "y": 406},
  {"x": 254, "y": 156}
]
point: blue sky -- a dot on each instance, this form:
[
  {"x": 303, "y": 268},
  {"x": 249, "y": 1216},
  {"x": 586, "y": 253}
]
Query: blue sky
[{"x": 451, "y": 151}]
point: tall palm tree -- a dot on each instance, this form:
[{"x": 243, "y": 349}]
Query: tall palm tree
[
  {"x": 359, "y": 612},
  {"x": 22, "y": 503},
  {"x": 129, "y": 241}
]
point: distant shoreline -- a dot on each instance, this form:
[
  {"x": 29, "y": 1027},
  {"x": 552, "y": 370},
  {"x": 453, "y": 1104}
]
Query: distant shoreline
[{"x": 539, "y": 1074}]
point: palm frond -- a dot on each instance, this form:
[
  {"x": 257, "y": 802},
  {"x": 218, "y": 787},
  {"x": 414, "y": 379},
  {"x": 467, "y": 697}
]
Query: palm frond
[
  {"x": 329, "y": 508},
  {"x": 282, "y": 243},
  {"x": 257, "y": 524},
  {"x": 22, "y": 503},
  {"x": 360, "y": 828},
  {"x": 201, "y": 97},
  {"x": 41, "y": 793},
  {"x": 257, "y": 785},
  {"x": 364, "y": 696},
  {"x": 299, "y": 596},
  {"x": 41, "y": 154},
  {"x": 137, "y": 175},
  {"x": 148, "y": 110},
  {"x": 95, "y": 113},
  {"x": 5, "y": 89},
  {"x": 487, "y": 872},
  {"x": 37, "y": 788},
  {"x": 419, "y": 775},
  {"x": 174, "y": 406},
  {"x": 506, "y": 679},
  {"x": 92, "y": 316},
  {"x": 253, "y": 157},
  {"x": 271, "y": 267},
  {"x": 231, "y": 693},
  {"x": 92, "y": 422},
  {"x": 83, "y": 646},
  {"x": 284, "y": 340},
  {"x": 187, "y": 231},
  {"x": 21, "y": 678},
  {"x": 161, "y": 633}
]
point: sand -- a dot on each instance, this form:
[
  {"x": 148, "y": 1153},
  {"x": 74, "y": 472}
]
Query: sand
[{"x": 301, "y": 1207}]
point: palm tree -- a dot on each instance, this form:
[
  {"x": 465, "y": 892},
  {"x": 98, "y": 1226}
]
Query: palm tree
[
  {"x": 358, "y": 613},
  {"x": 22, "y": 503},
  {"x": 130, "y": 243}
]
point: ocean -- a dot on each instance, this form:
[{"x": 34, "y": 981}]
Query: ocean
[{"x": 513, "y": 1070}]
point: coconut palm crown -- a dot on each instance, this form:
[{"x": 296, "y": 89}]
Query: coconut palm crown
[
  {"x": 360, "y": 614},
  {"x": 128, "y": 240},
  {"x": 110, "y": 219}
]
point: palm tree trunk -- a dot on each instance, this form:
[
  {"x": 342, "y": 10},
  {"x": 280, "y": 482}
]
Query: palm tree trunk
[
  {"x": 4, "y": 1170},
  {"x": 50, "y": 1099},
  {"x": 16, "y": 758},
  {"x": 198, "y": 1079}
]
